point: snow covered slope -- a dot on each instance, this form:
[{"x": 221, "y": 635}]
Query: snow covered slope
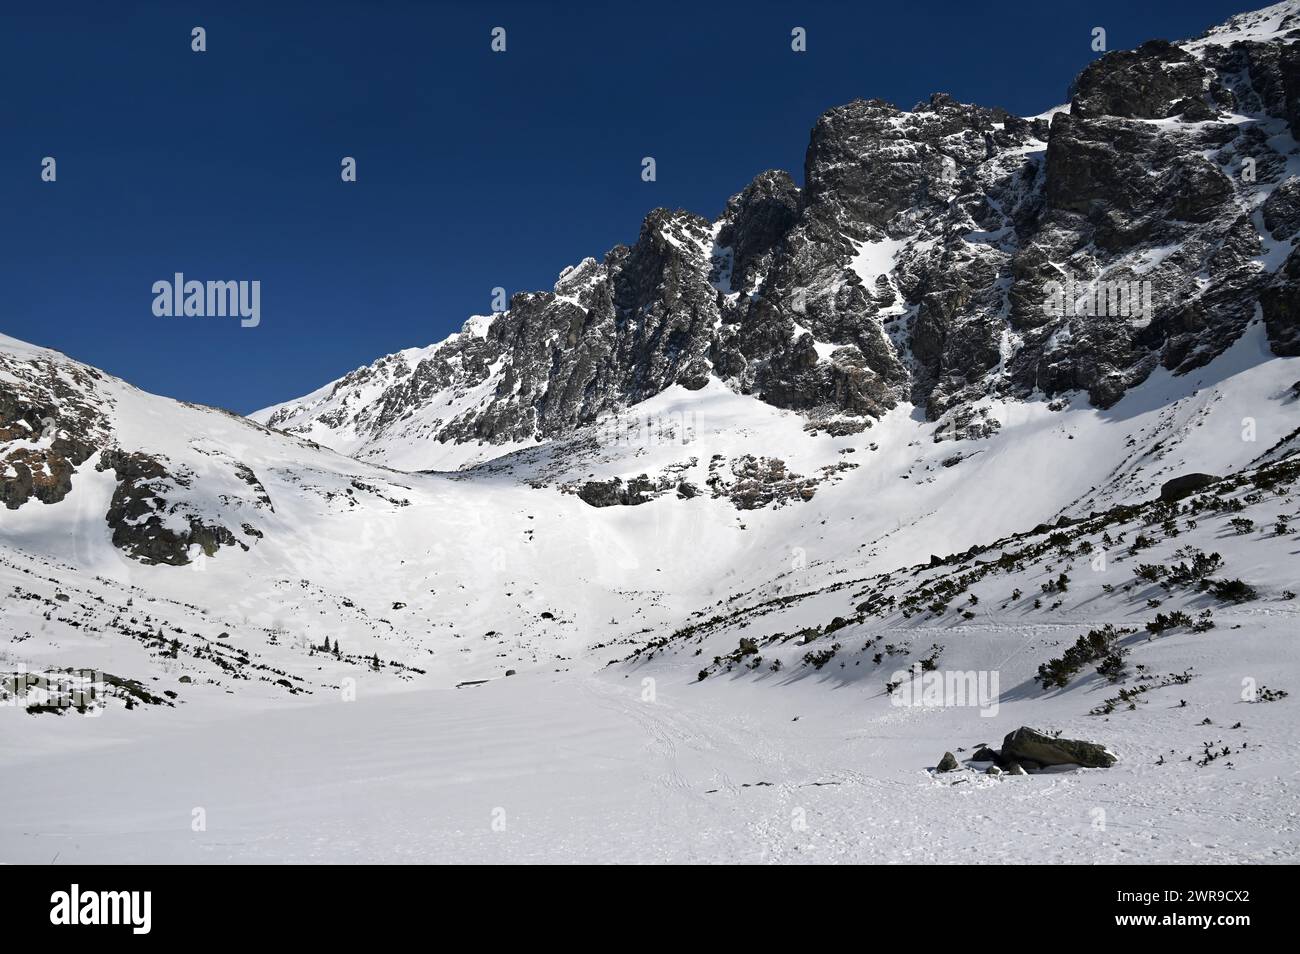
[
  {"x": 623, "y": 526},
  {"x": 812, "y": 761},
  {"x": 539, "y": 563},
  {"x": 384, "y": 413},
  {"x": 656, "y": 566}
]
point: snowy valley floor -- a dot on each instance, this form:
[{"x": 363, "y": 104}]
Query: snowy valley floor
[{"x": 573, "y": 768}]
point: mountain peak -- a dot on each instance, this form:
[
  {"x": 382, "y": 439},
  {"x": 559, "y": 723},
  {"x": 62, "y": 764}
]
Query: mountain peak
[{"x": 916, "y": 264}]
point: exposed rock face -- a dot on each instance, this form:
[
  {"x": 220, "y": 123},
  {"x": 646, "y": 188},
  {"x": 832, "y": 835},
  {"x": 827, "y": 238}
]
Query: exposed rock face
[
  {"x": 1185, "y": 486},
  {"x": 750, "y": 483},
  {"x": 920, "y": 261},
  {"x": 1281, "y": 211},
  {"x": 1280, "y": 303},
  {"x": 616, "y": 493},
  {"x": 48, "y": 427},
  {"x": 759, "y": 481},
  {"x": 145, "y": 524},
  {"x": 55, "y": 417},
  {"x": 1026, "y": 744},
  {"x": 1155, "y": 81}
]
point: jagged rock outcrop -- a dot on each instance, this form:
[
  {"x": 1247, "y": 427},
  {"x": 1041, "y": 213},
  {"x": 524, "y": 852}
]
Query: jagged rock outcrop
[
  {"x": 1155, "y": 81},
  {"x": 145, "y": 523},
  {"x": 616, "y": 493},
  {"x": 60, "y": 418},
  {"x": 49, "y": 425},
  {"x": 941, "y": 255},
  {"x": 1280, "y": 303}
]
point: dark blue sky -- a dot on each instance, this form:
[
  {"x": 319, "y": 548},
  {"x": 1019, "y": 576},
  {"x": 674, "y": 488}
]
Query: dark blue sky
[{"x": 475, "y": 169}]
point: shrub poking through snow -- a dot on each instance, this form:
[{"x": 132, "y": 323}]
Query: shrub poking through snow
[
  {"x": 821, "y": 657},
  {"x": 1172, "y": 620},
  {"x": 1095, "y": 646},
  {"x": 1230, "y": 591},
  {"x": 1113, "y": 666},
  {"x": 1059, "y": 585},
  {"x": 1150, "y": 572},
  {"x": 1195, "y": 568}
]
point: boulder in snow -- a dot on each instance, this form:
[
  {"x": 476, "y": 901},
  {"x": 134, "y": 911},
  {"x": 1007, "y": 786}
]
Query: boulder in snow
[
  {"x": 1183, "y": 486},
  {"x": 1026, "y": 743}
]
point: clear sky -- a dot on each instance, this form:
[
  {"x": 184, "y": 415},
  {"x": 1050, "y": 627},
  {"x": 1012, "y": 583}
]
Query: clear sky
[{"x": 475, "y": 169}]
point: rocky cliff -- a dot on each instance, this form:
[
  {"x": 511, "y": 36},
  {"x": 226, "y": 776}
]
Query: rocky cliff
[{"x": 917, "y": 263}]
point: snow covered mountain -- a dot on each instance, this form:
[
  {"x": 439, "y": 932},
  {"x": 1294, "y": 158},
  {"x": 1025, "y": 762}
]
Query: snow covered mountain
[
  {"x": 718, "y": 506},
  {"x": 916, "y": 264}
]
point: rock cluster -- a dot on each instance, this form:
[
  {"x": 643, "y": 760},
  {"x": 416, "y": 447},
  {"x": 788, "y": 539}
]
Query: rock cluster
[
  {"x": 145, "y": 523},
  {"x": 1027, "y": 750}
]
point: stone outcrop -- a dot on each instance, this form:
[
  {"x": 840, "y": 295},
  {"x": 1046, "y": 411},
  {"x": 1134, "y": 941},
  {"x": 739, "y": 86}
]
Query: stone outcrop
[
  {"x": 145, "y": 523},
  {"x": 1026, "y": 744},
  {"x": 1185, "y": 486}
]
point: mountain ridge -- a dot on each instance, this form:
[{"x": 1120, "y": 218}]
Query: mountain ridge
[{"x": 911, "y": 266}]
